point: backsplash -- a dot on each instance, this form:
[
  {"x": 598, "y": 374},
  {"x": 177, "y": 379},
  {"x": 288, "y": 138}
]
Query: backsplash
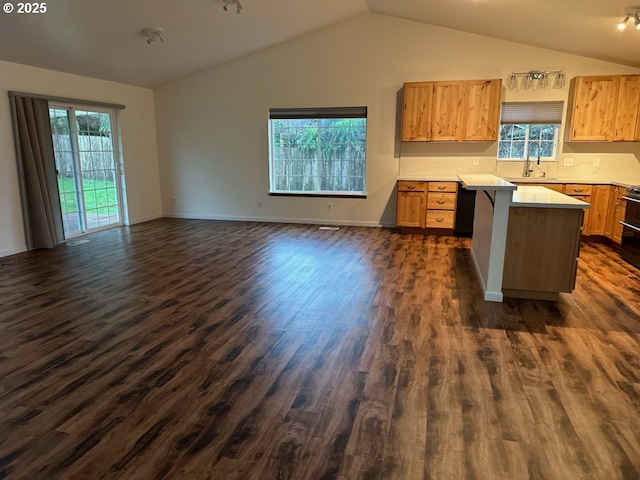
[{"x": 612, "y": 167}]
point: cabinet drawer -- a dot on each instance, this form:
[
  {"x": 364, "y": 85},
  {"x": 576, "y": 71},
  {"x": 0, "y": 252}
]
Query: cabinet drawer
[
  {"x": 440, "y": 218},
  {"x": 404, "y": 186},
  {"x": 577, "y": 189},
  {"x": 441, "y": 201},
  {"x": 443, "y": 187}
]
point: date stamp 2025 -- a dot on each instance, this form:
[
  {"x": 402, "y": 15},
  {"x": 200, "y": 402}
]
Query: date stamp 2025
[{"x": 24, "y": 8}]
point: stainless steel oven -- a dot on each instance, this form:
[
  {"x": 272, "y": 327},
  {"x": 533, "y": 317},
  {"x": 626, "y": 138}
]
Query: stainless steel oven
[{"x": 630, "y": 248}]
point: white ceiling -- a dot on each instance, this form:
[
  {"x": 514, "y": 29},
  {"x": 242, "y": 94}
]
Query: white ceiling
[{"x": 102, "y": 39}]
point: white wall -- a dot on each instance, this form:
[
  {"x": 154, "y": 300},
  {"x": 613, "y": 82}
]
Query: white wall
[
  {"x": 138, "y": 142},
  {"x": 212, "y": 127}
]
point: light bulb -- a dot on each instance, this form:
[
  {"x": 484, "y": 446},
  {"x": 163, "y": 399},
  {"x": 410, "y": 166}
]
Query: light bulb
[
  {"x": 513, "y": 83},
  {"x": 637, "y": 21},
  {"x": 623, "y": 24}
]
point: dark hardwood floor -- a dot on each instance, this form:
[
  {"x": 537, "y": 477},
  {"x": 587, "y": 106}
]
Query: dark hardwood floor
[{"x": 184, "y": 349}]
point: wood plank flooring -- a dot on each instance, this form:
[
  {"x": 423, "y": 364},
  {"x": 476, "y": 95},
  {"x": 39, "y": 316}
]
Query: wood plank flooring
[{"x": 185, "y": 349}]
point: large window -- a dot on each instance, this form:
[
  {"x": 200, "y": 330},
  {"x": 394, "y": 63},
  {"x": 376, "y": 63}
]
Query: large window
[
  {"x": 319, "y": 151},
  {"x": 529, "y": 129}
]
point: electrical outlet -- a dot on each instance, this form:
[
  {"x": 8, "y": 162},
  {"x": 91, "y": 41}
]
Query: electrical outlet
[
  {"x": 596, "y": 162},
  {"x": 329, "y": 206},
  {"x": 568, "y": 162},
  {"x": 259, "y": 203},
  {"x": 476, "y": 161}
]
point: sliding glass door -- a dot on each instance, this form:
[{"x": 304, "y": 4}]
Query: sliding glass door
[{"x": 86, "y": 161}]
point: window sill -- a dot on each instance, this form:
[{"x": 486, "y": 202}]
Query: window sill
[{"x": 318, "y": 194}]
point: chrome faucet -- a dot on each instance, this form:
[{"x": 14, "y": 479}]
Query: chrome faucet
[{"x": 528, "y": 168}]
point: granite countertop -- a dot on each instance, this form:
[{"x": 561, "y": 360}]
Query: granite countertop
[{"x": 534, "y": 196}]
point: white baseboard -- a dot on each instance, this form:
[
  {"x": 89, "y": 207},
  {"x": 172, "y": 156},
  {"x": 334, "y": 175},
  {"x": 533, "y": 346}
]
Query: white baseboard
[
  {"x": 144, "y": 219},
  {"x": 488, "y": 296},
  {"x": 13, "y": 251},
  {"x": 311, "y": 221}
]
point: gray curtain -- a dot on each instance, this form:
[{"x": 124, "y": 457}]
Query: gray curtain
[{"x": 37, "y": 171}]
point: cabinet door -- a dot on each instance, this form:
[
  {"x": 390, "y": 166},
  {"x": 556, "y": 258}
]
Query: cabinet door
[
  {"x": 599, "y": 208},
  {"x": 627, "y": 121},
  {"x": 410, "y": 211},
  {"x": 618, "y": 215},
  {"x": 593, "y": 108},
  {"x": 481, "y": 110},
  {"x": 613, "y": 200},
  {"x": 416, "y": 111},
  {"x": 446, "y": 111},
  {"x": 587, "y": 213}
]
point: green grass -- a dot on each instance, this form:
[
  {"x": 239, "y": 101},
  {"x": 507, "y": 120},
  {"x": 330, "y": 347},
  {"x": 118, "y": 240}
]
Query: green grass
[{"x": 99, "y": 196}]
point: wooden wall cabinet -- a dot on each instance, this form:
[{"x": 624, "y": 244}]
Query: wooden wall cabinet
[
  {"x": 463, "y": 110},
  {"x": 416, "y": 111},
  {"x": 605, "y": 108},
  {"x": 626, "y": 126}
]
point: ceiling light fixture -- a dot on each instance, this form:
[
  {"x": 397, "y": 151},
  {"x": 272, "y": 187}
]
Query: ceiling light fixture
[
  {"x": 530, "y": 78},
  {"x": 228, "y": 3},
  {"x": 153, "y": 34},
  {"x": 630, "y": 13}
]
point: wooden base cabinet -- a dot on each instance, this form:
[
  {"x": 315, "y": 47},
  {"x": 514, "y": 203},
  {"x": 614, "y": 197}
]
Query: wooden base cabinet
[
  {"x": 581, "y": 192},
  {"x": 615, "y": 214},
  {"x": 599, "y": 209},
  {"x": 430, "y": 205},
  {"x": 411, "y": 204}
]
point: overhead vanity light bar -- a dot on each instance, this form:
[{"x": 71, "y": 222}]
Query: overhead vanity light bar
[
  {"x": 630, "y": 13},
  {"x": 537, "y": 78}
]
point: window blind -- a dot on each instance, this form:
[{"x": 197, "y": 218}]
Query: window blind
[
  {"x": 319, "y": 112},
  {"x": 531, "y": 113}
]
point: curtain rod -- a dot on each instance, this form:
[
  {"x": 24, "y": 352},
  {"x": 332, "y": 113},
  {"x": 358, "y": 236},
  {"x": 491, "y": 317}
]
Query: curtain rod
[{"x": 90, "y": 103}]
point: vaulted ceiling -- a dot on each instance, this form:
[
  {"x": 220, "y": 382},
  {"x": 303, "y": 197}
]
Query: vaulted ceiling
[{"x": 103, "y": 39}]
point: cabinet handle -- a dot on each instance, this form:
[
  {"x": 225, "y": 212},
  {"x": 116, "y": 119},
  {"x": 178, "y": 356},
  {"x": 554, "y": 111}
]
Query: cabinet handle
[
  {"x": 439, "y": 219},
  {"x": 442, "y": 187},
  {"x": 578, "y": 189},
  {"x": 441, "y": 202},
  {"x": 411, "y": 187}
]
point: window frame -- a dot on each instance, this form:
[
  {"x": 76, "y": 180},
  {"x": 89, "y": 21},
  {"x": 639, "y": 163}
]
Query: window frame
[
  {"x": 317, "y": 114},
  {"x": 529, "y": 115},
  {"x": 527, "y": 144}
]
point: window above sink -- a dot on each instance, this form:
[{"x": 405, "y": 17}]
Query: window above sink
[{"x": 529, "y": 130}]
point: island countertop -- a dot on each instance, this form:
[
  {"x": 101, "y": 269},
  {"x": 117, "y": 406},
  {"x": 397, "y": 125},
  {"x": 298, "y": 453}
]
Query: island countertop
[
  {"x": 485, "y": 181},
  {"x": 541, "y": 197}
]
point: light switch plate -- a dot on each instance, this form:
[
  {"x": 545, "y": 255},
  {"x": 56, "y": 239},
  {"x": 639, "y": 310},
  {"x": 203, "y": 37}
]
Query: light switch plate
[{"x": 568, "y": 162}]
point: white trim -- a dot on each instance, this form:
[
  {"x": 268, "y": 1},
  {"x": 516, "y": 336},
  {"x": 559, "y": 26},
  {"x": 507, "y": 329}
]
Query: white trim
[
  {"x": 144, "y": 219},
  {"x": 13, "y": 251},
  {"x": 310, "y": 221}
]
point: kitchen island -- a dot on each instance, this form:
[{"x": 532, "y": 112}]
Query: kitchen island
[{"x": 526, "y": 239}]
